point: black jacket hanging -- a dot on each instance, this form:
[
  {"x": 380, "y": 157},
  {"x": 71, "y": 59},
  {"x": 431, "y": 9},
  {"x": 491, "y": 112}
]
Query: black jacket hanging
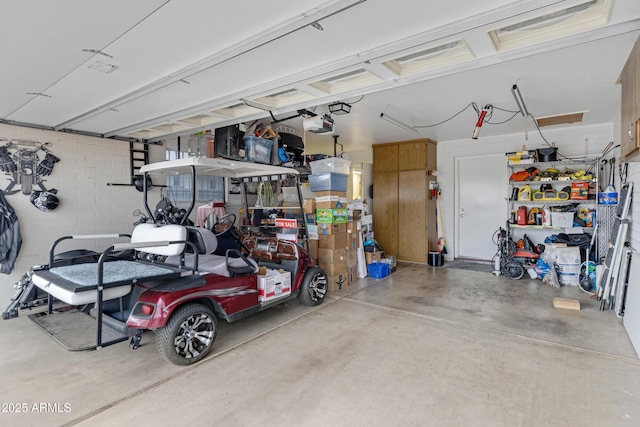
[{"x": 10, "y": 238}]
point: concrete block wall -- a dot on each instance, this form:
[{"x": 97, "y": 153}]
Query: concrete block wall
[{"x": 87, "y": 204}]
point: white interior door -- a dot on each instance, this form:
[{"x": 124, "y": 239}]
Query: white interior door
[{"x": 480, "y": 206}]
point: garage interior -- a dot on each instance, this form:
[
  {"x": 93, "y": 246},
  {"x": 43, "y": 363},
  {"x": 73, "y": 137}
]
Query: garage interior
[{"x": 424, "y": 100}]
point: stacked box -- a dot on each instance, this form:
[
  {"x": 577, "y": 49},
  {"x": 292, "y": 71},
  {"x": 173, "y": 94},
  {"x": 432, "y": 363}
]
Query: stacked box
[
  {"x": 338, "y": 281},
  {"x": 332, "y": 216},
  {"x": 375, "y": 256},
  {"x": 313, "y": 250},
  {"x": 332, "y": 241},
  {"x": 330, "y": 199},
  {"x": 334, "y": 263},
  {"x": 324, "y": 228},
  {"x": 329, "y": 185}
]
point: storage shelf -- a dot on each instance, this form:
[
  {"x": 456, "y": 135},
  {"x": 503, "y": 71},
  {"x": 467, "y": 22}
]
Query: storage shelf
[
  {"x": 252, "y": 208},
  {"x": 558, "y": 163},
  {"x": 552, "y": 181},
  {"x": 267, "y": 228},
  {"x": 546, "y": 227},
  {"x": 554, "y": 202}
]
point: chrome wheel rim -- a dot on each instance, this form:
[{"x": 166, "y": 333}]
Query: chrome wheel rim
[
  {"x": 194, "y": 336},
  {"x": 318, "y": 287}
]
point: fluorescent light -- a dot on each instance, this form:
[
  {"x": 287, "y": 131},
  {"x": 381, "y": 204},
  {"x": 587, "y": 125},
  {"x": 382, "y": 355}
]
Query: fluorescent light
[
  {"x": 519, "y": 100},
  {"x": 398, "y": 123}
]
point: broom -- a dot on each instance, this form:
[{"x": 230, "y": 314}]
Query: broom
[{"x": 441, "y": 244}]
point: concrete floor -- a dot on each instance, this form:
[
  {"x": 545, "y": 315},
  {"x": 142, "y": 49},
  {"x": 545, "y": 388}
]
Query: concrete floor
[{"x": 424, "y": 347}]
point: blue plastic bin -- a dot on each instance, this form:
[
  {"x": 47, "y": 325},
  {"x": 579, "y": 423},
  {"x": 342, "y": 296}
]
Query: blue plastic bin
[
  {"x": 328, "y": 181},
  {"x": 378, "y": 270}
]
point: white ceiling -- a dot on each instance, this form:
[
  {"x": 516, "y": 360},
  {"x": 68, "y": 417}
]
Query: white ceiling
[{"x": 155, "y": 68}]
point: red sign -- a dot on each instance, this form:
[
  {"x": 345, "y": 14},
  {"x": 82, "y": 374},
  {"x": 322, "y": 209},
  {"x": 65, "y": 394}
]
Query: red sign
[{"x": 286, "y": 223}]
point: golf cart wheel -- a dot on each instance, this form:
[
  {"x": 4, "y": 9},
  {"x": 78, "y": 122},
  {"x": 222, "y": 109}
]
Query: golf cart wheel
[
  {"x": 314, "y": 287},
  {"x": 188, "y": 335},
  {"x": 513, "y": 270}
]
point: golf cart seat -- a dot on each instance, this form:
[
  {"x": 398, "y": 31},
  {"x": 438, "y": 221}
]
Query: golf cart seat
[
  {"x": 206, "y": 243},
  {"x": 78, "y": 284}
]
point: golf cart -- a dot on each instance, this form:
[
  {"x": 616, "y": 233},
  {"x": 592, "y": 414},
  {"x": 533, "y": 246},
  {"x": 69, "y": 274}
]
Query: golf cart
[{"x": 168, "y": 277}]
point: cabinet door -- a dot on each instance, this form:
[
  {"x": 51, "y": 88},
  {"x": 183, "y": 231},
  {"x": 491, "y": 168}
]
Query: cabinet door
[
  {"x": 385, "y": 210},
  {"x": 412, "y": 216},
  {"x": 385, "y": 158},
  {"x": 412, "y": 156}
]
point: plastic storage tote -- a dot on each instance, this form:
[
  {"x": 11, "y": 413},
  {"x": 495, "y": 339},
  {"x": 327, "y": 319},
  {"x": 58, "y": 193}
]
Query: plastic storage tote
[
  {"x": 258, "y": 149},
  {"x": 328, "y": 181},
  {"x": 331, "y": 164}
]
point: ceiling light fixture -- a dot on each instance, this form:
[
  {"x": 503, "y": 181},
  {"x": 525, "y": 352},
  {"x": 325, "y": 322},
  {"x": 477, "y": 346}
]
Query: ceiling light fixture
[
  {"x": 398, "y": 123},
  {"x": 339, "y": 108},
  {"x": 254, "y": 104},
  {"x": 519, "y": 100}
]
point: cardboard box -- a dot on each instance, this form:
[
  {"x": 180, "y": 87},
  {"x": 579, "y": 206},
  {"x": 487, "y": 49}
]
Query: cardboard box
[
  {"x": 330, "y": 202},
  {"x": 352, "y": 242},
  {"x": 309, "y": 206},
  {"x": 312, "y": 232},
  {"x": 342, "y": 194},
  {"x": 332, "y": 228},
  {"x": 330, "y": 199},
  {"x": 338, "y": 281},
  {"x": 375, "y": 256},
  {"x": 353, "y": 273},
  {"x": 313, "y": 251},
  {"x": 274, "y": 284},
  {"x": 332, "y": 255},
  {"x": 333, "y": 241},
  {"x": 288, "y": 237},
  {"x": 331, "y": 216},
  {"x": 292, "y": 210},
  {"x": 579, "y": 190},
  {"x": 352, "y": 258},
  {"x": 333, "y": 268},
  {"x": 354, "y": 227}
]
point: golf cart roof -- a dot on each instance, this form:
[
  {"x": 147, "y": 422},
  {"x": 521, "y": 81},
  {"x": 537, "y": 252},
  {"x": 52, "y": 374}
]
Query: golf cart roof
[{"x": 215, "y": 167}]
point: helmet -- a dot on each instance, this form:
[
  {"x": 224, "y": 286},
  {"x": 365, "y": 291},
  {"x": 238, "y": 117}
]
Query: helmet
[
  {"x": 138, "y": 182},
  {"x": 45, "y": 200}
]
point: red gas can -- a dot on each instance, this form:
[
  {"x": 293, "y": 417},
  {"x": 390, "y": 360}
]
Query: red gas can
[{"x": 521, "y": 215}]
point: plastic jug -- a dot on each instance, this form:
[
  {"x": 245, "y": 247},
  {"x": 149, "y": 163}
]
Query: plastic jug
[{"x": 524, "y": 193}]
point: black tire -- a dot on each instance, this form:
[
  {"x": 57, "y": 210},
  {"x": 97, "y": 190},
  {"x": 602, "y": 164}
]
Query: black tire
[
  {"x": 513, "y": 270},
  {"x": 188, "y": 335},
  {"x": 314, "y": 287}
]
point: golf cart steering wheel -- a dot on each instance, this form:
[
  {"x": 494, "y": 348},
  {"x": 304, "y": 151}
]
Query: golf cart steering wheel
[{"x": 224, "y": 224}]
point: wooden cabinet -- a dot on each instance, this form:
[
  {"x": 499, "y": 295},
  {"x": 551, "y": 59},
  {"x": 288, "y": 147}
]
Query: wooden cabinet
[
  {"x": 403, "y": 213},
  {"x": 630, "y": 106}
]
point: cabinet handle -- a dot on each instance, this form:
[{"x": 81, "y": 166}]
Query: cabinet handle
[{"x": 631, "y": 131}]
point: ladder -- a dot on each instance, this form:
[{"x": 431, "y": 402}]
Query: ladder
[{"x": 138, "y": 157}]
